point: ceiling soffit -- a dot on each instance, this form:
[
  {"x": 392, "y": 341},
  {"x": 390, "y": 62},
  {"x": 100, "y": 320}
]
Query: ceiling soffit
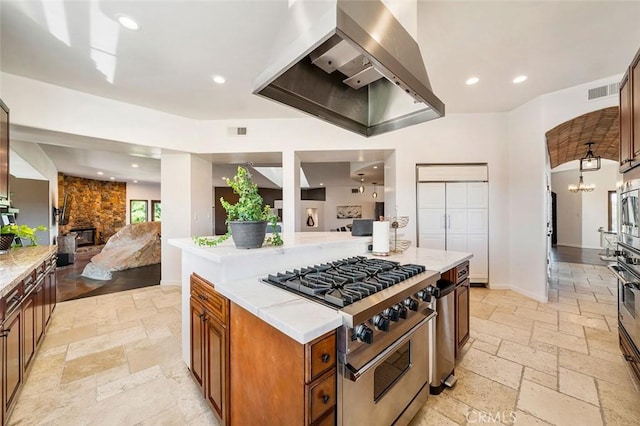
[{"x": 566, "y": 142}]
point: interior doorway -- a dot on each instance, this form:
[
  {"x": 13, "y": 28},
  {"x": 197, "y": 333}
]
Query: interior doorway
[{"x": 554, "y": 219}]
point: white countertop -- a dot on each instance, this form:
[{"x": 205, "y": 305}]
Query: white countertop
[{"x": 236, "y": 275}]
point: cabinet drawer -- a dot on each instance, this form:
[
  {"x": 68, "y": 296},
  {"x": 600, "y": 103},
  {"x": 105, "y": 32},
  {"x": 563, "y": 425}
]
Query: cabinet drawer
[
  {"x": 321, "y": 396},
  {"x": 214, "y": 303},
  {"x": 321, "y": 356}
]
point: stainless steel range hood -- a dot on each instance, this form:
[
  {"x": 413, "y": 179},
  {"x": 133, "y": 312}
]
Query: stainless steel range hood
[{"x": 350, "y": 63}]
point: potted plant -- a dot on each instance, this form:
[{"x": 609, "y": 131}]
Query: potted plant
[
  {"x": 248, "y": 218},
  {"x": 9, "y": 232}
]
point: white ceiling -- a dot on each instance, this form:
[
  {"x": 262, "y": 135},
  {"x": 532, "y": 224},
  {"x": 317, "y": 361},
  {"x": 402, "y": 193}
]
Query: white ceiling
[{"x": 169, "y": 63}]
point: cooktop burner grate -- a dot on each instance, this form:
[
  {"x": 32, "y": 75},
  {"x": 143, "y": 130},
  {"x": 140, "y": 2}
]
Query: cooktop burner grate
[{"x": 345, "y": 281}]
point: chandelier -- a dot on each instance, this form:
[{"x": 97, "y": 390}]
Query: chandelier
[
  {"x": 589, "y": 162},
  {"x": 581, "y": 187}
]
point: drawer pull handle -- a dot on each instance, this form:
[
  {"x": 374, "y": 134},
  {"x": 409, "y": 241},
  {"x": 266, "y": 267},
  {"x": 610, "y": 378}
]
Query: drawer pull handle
[
  {"x": 629, "y": 358},
  {"x": 202, "y": 297},
  {"x": 325, "y": 398},
  {"x": 326, "y": 358}
]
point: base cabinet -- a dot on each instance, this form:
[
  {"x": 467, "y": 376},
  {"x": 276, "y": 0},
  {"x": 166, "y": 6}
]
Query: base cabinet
[
  {"x": 24, "y": 311},
  {"x": 275, "y": 379},
  {"x": 209, "y": 345}
]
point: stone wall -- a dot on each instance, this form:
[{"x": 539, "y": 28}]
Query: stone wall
[{"x": 93, "y": 204}]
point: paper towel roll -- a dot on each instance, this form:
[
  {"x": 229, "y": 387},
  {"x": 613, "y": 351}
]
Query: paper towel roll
[{"x": 381, "y": 238}]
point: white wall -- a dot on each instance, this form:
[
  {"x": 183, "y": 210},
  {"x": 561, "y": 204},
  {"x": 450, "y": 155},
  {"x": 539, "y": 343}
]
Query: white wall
[
  {"x": 142, "y": 191},
  {"x": 568, "y": 209},
  {"x": 579, "y": 215},
  {"x": 186, "y": 207},
  {"x": 31, "y": 196},
  {"x": 511, "y": 143},
  {"x": 35, "y": 156}
]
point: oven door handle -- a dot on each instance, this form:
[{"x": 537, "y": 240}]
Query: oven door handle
[
  {"x": 614, "y": 270},
  {"x": 354, "y": 374}
]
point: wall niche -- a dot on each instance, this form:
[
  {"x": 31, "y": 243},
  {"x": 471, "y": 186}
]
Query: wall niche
[{"x": 92, "y": 204}]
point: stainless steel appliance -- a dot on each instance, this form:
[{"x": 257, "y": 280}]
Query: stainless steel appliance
[
  {"x": 629, "y": 213},
  {"x": 444, "y": 354},
  {"x": 383, "y": 345},
  {"x": 627, "y": 271},
  {"x": 354, "y": 65}
]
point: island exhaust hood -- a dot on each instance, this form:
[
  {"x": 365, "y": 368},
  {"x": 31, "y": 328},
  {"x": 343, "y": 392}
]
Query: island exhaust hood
[{"x": 352, "y": 64}]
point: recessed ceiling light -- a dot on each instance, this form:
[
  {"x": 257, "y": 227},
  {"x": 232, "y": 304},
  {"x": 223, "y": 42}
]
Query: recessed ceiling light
[
  {"x": 218, "y": 79},
  {"x": 375, "y": 167},
  {"x": 471, "y": 81},
  {"x": 519, "y": 79},
  {"x": 224, "y": 178},
  {"x": 321, "y": 183},
  {"x": 134, "y": 165},
  {"x": 100, "y": 173},
  {"x": 112, "y": 178},
  {"x": 128, "y": 23},
  {"x": 135, "y": 181}
]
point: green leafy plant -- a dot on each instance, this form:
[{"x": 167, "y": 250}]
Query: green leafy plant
[
  {"x": 249, "y": 207},
  {"x": 23, "y": 232}
]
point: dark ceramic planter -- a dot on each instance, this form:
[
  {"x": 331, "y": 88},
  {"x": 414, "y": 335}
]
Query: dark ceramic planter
[
  {"x": 5, "y": 242},
  {"x": 248, "y": 235}
]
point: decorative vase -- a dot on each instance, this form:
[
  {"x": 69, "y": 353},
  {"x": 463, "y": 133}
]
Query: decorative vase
[
  {"x": 5, "y": 242},
  {"x": 248, "y": 235}
]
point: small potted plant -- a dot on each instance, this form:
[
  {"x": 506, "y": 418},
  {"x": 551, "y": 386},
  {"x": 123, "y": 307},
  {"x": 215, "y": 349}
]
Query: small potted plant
[
  {"x": 9, "y": 232},
  {"x": 248, "y": 218}
]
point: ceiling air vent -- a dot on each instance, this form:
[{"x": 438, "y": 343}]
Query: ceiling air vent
[
  {"x": 242, "y": 131},
  {"x": 603, "y": 91},
  {"x": 354, "y": 190}
]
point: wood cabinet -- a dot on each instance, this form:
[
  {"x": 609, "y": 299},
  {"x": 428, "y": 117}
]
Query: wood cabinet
[
  {"x": 630, "y": 116},
  {"x": 209, "y": 337},
  {"x": 460, "y": 276},
  {"x": 275, "y": 379},
  {"x": 23, "y": 310}
]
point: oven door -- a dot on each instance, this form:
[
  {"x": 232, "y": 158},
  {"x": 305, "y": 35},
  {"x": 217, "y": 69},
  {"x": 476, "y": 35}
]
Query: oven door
[
  {"x": 628, "y": 302},
  {"x": 380, "y": 392}
]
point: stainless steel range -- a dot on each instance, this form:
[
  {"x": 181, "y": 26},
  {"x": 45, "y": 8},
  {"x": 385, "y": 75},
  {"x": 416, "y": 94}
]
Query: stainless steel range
[{"x": 383, "y": 345}]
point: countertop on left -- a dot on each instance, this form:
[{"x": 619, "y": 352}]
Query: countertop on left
[{"x": 16, "y": 264}]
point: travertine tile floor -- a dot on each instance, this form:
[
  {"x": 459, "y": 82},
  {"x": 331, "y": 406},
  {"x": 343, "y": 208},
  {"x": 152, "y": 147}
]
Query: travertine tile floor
[{"x": 115, "y": 360}]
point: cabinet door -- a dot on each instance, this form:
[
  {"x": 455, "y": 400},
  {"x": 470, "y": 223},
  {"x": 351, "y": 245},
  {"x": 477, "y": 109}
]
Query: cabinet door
[
  {"x": 457, "y": 193},
  {"x": 431, "y": 195},
  {"x": 431, "y": 221},
  {"x": 40, "y": 311},
  {"x": 625, "y": 123},
  {"x": 635, "y": 106},
  {"x": 478, "y": 244},
  {"x": 50, "y": 295},
  {"x": 457, "y": 221},
  {"x": 462, "y": 315},
  {"x": 29, "y": 329},
  {"x": 216, "y": 359},
  {"x": 12, "y": 358},
  {"x": 457, "y": 242},
  {"x": 478, "y": 195},
  {"x": 477, "y": 221},
  {"x": 197, "y": 341},
  {"x": 437, "y": 241}
]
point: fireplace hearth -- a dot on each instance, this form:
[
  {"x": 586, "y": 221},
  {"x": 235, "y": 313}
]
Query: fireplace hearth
[{"x": 86, "y": 236}]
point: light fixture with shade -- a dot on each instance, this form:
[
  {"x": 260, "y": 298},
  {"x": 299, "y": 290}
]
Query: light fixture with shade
[
  {"x": 374, "y": 194},
  {"x": 581, "y": 187},
  {"x": 361, "y": 187},
  {"x": 589, "y": 163}
]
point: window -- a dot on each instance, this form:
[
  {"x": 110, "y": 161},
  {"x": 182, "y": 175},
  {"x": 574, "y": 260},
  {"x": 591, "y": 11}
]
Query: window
[
  {"x": 156, "y": 210},
  {"x": 138, "y": 210},
  {"x": 613, "y": 211}
]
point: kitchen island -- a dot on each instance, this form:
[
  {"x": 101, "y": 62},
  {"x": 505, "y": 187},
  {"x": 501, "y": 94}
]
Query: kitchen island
[{"x": 260, "y": 315}]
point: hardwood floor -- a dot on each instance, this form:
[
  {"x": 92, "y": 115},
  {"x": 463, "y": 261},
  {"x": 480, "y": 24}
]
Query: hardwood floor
[
  {"x": 72, "y": 285},
  {"x": 578, "y": 255}
]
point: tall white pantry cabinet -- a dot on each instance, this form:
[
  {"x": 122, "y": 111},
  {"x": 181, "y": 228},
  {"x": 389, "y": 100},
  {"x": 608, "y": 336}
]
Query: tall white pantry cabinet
[{"x": 453, "y": 213}]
